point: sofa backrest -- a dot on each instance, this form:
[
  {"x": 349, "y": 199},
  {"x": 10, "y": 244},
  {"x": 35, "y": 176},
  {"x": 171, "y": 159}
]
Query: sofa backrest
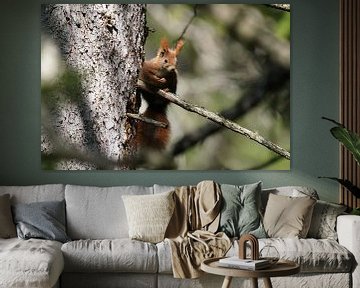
[
  {"x": 36, "y": 193},
  {"x": 162, "y": 188},
  {"x": 98, "y": 212},
  {"x": 292, "y": 191}
]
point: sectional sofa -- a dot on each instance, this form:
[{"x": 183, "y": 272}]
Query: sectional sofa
[{"x": 100, "y": 253}]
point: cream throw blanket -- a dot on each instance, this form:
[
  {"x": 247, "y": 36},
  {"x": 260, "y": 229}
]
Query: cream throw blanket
[{"x": 191, "y": 230}]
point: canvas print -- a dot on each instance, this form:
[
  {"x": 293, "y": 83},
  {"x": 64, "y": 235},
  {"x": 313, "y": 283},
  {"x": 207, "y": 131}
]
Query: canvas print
[{"x": 165, "y": 86}]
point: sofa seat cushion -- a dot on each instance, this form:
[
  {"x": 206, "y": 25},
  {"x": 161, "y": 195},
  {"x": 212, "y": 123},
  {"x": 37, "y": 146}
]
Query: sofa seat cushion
[
  {"x": 30, "y": 263},
  {"x": 110, "y": 255},
  {"x": 313, "y": 255}
]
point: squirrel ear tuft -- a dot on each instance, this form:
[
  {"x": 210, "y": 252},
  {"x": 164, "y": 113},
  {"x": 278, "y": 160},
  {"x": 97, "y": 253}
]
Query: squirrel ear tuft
[
  {"x": 179, "y": 45},
  {"x": 164, "y": 44}
]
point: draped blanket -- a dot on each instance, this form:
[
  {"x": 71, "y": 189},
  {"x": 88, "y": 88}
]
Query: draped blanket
[{"x": 191, "y": 232}]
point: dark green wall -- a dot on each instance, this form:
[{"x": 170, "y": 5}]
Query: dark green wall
[{"x": 314, "y": 93}]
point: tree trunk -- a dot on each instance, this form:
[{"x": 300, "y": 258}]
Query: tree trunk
[{"x": 104, "y": 45}]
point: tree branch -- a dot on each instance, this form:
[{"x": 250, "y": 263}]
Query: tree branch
[
  {"x": 218, "y": 119},
  {"x": 254, "y": 95},
  {"x": 284, "y": 7},
  {"x": 188, "y": 24},
  {"x": 147, "y": 120}
]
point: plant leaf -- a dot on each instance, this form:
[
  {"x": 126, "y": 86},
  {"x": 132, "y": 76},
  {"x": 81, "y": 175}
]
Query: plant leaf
[
  {"x": 333, "y": 121},
  {"x": 348, "y": 185},
  {"x": 349, "y": 139}
]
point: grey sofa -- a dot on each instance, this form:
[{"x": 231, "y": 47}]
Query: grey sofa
[{"x": 101, "y": 254}]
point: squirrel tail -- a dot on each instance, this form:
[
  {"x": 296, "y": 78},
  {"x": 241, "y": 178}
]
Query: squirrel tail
[{"x": 151, "y": 136}]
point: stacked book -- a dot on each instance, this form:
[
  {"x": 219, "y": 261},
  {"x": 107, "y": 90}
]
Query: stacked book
[{"x": 248, "y": 264}]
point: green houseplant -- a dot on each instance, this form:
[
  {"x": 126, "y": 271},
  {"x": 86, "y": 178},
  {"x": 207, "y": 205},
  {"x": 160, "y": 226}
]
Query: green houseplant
[{"x": 351, "y": 141}]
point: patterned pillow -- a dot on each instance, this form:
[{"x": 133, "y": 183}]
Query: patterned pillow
[
  {"x": 240, "y": 210},
  {"x": 323, "y": 222},
  {"x": 149, "y": 215}
]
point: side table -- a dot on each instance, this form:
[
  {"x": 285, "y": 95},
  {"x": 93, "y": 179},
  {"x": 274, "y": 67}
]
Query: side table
[{"x": 281, "y": 268}]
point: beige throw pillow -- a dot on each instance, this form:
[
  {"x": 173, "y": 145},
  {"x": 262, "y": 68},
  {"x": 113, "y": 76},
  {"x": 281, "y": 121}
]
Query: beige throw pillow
[
  {"x": 7, "y": 226},
  {"x": 148, "y": 215},
  {"x": 288, "y": 217}
]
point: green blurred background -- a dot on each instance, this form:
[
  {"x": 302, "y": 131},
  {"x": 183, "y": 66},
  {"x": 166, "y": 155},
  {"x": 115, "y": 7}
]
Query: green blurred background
[{"x": 234, "y": 54}]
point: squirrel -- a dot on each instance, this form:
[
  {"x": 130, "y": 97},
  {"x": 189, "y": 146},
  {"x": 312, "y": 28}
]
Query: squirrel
[{"x": 158, "y": 73}]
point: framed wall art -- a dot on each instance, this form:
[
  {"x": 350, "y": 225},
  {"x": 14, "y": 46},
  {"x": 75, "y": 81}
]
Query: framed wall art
[{"x": 165, "y": 86}]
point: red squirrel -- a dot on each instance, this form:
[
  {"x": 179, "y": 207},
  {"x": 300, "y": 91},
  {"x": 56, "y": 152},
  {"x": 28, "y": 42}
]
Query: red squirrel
[{"x": 158, "y": 73}]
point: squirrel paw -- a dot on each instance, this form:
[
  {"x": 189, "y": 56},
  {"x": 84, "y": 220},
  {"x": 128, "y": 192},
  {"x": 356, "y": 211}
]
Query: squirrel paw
[{"x": 162, "y": 80}]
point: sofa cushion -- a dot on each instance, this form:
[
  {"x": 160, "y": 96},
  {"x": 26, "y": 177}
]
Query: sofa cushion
[
  {"x": 98, "y": 213},
  {"x": 30, "y": 263},
  {"x": 117, "y": 255},
  {"x": 313, "y": 255},
  {"x": 287, "y": 216},
  {"x": 109, "y": 280},
  {"x": 163, "y": 188},
  {"x": 290, "y": 191},
  {"x": 7, "y": 226},
  {"x": 240, "y": 210},
  {"x": 43, "y": 220},
  {"x": 164, "y": 257},
  {"x": 36, "y": 193},
  {"x": 149, "y": 215},
  {"x": 323, "y": 222}
]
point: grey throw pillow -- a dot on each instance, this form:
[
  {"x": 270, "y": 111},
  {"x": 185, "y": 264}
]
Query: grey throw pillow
[
  {"x": 240, "y": 213},
  {"x": 323, "y": 222},
  {"x": 43, "y": 220},
  {"x": 7, "y": 226}
]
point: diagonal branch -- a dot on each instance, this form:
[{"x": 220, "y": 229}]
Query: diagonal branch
[
  {"x": 284, "y": 7},
  {"x": 188, "y": 24},
  {"x": 254, "y": 96},
  {"x": 218, "y": 119}
]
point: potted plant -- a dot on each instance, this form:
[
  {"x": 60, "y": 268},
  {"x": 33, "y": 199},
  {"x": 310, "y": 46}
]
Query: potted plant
[{"x": 351, "y": 141}]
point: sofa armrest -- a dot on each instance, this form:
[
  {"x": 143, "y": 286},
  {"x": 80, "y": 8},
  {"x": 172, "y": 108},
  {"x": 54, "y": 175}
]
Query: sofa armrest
[{"x": 348, "y": 229}]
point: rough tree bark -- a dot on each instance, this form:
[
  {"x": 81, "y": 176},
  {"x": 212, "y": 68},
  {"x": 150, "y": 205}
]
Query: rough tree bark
[{"x": 104, "y": 44}]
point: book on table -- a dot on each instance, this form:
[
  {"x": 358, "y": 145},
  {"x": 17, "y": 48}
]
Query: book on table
[{"x": 249, "y": 264}]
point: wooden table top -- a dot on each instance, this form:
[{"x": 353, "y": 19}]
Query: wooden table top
[{"x": 281, "y": 268}]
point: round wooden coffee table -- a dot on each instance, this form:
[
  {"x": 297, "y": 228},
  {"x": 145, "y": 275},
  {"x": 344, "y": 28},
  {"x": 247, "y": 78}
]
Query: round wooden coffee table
[{"x": 281, "y": 268}]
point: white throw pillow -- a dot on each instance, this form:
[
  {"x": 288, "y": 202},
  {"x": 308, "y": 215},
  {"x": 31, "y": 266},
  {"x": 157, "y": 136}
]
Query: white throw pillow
[{"x": 149, "y": 215}]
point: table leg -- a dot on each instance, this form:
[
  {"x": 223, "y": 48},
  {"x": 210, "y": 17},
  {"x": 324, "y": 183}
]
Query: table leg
[
  {"x": 267, "y": 283},
  {"x": 254, "y": 282},
  {"x": 227, "y": 282}
]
